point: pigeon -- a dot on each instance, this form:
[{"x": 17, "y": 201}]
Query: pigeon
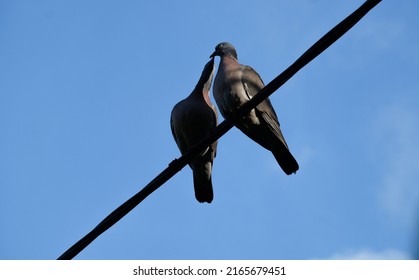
[
  {"x": 192, "y": 119},
  {"x": 234, "y": 85}
]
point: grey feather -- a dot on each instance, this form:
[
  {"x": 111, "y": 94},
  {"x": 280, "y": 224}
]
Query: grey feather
[
  {"x": 234, "y": 85},
  {"x": 192, "y": 119}
]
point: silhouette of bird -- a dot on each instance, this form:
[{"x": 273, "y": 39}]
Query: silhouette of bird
[
  {"x": 192, "y": 119},
  {"x": 234, "y": 85}
]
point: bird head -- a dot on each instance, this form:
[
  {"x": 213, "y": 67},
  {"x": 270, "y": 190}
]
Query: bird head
[
  {"x": 207, "y": 74},
  {"x": 225, "y": 49}
]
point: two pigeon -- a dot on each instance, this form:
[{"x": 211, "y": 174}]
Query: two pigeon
[{"x": 195, "y": 117}]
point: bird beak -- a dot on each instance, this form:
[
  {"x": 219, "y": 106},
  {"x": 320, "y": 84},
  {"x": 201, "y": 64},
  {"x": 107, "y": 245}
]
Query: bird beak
[{"x": 215, "y": 53}]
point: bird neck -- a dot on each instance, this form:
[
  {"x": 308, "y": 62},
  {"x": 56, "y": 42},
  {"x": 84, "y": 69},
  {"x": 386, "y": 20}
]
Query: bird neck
[
  {"x": 206, "y": 95},
  {"x": 204, "y": 84},
  {"x": 228, "y": 59},
  {"x": 202, "y": 90},
  {"x": 230, "y": 53},
  {"x": 202, "y": 93}
]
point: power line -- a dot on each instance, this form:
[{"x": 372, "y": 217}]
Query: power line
[{"x": 176, "y": 165}]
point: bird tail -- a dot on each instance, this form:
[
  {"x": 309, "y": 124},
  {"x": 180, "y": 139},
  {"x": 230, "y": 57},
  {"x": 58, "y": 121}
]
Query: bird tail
[
  {"x": 203, "y": 184},
  {"x": 285, "y": 159}
]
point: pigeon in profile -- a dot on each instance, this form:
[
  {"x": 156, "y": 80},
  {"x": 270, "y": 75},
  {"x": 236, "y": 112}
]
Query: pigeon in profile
[
  {"x": 234, "y": 85},
  {"x": 192, "y": 119}
]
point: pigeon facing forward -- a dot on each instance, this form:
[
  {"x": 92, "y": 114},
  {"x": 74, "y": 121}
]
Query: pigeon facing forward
[
  {"x": 234, "y": 85},
  {"x": 192, "y": 119}
]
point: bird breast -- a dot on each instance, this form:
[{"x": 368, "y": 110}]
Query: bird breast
[{"x": 230, "y": 94}]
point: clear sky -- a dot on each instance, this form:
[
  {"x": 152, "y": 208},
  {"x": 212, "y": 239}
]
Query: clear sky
[{"x": 86, "y": 91}]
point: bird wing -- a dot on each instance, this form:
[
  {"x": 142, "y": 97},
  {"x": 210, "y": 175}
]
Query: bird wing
[
  {"x": 175, "y": 122},
  {"x": 253, "y": 83}
]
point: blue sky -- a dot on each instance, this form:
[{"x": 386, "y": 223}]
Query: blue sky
[{"x": 86, "y": 92}]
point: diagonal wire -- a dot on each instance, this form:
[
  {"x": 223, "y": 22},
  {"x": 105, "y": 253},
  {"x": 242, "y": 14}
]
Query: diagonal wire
[{"x": 176, "y": 165}]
